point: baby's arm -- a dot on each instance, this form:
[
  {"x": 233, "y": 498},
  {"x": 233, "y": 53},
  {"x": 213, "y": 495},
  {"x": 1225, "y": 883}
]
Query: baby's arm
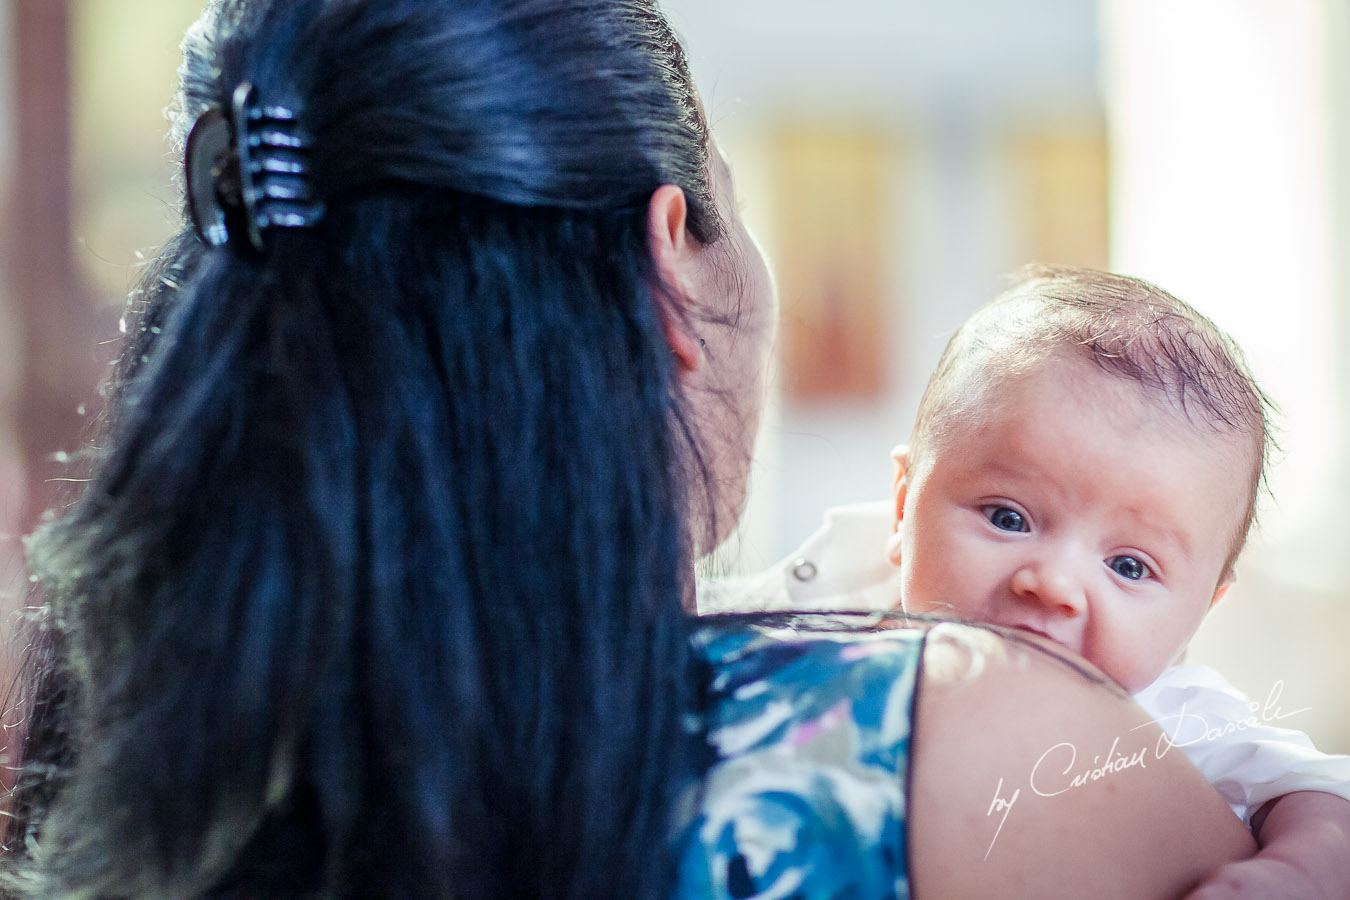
[{"x": 1305, "y": 852}]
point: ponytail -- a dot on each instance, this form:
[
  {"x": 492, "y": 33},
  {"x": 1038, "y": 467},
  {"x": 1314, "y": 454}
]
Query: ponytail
[{"x": 379, "y": 586}]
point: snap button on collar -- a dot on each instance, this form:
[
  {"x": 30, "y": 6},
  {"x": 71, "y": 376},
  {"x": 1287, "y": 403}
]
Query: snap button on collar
[{"x": 804, "y": 570}]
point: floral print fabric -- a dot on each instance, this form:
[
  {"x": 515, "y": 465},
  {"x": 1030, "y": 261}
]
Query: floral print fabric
[{"x": 811, "y": 727}]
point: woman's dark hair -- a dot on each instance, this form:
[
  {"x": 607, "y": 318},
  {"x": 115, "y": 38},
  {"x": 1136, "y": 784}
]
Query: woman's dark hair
[{"x": 378, "y": 585}]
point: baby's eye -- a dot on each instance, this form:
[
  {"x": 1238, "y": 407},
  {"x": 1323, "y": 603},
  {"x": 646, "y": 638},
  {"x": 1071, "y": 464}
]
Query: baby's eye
[
  {"x": 1005, "y": 519},
  {"x": 1128, "y": 567}
]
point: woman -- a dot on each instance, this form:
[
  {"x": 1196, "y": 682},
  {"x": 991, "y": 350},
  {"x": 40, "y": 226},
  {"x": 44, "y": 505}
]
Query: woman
[{"x": 380, "y": 587}]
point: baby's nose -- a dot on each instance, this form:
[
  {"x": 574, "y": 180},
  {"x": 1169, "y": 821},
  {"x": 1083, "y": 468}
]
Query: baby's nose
[{"x": 1051, "y": 584}]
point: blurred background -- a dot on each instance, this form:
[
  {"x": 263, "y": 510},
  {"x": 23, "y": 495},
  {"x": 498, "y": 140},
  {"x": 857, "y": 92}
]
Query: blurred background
[{"x": 896, "y": 158}]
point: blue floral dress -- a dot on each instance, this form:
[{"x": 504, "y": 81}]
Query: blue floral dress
[{"x": 806, "y": 801}]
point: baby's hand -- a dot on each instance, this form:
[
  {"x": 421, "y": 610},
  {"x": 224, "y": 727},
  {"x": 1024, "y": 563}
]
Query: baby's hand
[
  {"x": 1260, "y": 878},
  {"x": 1305, "y": 852}
]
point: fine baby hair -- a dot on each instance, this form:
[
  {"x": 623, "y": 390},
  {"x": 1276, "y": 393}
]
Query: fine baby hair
[
  {"x": 1126, "y": 326},
  {"x": 379, "y": 583}
]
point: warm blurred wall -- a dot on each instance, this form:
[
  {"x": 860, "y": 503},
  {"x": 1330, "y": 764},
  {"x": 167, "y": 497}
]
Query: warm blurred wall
[
  {"x": 51, "y": 304},
  {"x": 43, "y": 301},
  {"x": 85, "y": 183},
  {"x": 11, "y": 470}
]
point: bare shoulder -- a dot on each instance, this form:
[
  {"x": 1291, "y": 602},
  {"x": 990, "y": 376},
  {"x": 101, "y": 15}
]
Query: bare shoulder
[{"x": 1034, "y": 777}]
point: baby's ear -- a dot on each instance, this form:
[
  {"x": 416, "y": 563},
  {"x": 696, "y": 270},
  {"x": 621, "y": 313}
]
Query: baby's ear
[
  {"x": 900, "y": 486},
  {"x": 1228, "y": 580},
  {"x": 894, "y": 546}
]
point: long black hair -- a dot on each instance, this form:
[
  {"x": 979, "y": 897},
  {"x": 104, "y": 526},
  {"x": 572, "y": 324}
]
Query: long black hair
[{"x": 379, "y": 584}]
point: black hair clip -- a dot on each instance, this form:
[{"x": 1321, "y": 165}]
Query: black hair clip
[{"x": 248, "y": 171}]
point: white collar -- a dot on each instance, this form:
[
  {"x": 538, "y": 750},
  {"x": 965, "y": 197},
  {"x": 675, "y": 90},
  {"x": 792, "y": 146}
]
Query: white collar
[{"x": 843, "y": 566}]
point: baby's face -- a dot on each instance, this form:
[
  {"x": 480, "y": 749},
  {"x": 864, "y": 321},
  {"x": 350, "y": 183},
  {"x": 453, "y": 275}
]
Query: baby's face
[{"x": 1066, "y": 503}]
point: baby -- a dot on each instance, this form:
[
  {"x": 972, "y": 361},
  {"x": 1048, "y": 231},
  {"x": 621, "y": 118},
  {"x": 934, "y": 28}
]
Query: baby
[{"x": 1084, "y": 467}]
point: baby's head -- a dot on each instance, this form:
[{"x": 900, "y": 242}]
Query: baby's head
[{"x": 1084, "y": 465}]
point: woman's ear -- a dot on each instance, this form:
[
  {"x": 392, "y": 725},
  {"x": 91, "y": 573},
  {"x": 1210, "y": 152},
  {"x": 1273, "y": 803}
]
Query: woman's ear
[{"x": 673, "y": 251}]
